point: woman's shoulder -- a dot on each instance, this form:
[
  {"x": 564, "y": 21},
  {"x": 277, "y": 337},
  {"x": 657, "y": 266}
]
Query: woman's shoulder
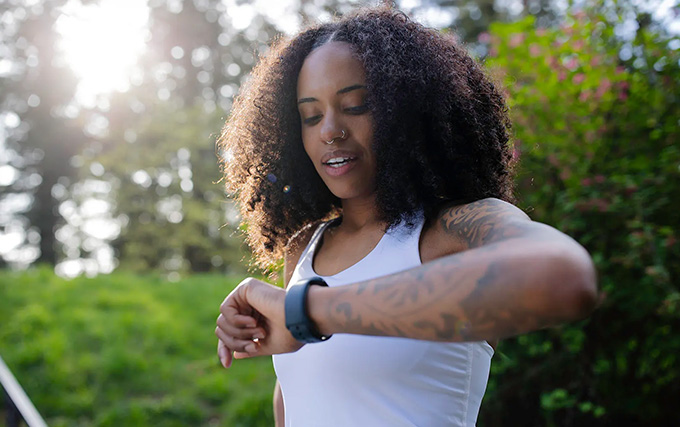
[{"x": 459, "y": 226}]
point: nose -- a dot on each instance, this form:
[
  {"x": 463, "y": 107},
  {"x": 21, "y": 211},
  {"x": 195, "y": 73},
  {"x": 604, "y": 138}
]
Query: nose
[{"x": 331, "y": 128}]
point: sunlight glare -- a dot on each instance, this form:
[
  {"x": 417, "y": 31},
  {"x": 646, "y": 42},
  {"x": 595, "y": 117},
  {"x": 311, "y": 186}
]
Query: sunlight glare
[{"x": 101, "y": 42}]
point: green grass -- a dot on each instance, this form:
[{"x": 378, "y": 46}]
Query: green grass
[{"x": 127, "y": 350}]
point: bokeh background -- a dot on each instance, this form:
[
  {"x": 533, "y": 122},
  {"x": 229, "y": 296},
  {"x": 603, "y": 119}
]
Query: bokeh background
[{"x": 117, "y": 241}]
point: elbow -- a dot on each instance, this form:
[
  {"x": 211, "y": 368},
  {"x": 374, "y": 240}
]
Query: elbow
[
  {"x": 584, "y": 296},
  {"x": 576, "y": 296}
]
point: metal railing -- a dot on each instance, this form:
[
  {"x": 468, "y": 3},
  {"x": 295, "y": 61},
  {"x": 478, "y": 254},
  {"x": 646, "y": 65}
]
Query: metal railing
[{"x": 18, "y": 405}]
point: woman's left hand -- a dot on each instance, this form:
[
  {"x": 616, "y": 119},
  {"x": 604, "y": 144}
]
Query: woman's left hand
[{"x": 252, "y": 323}]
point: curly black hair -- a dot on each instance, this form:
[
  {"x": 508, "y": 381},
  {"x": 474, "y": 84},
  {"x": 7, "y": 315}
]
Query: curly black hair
[{"x": 441, "y": 130}]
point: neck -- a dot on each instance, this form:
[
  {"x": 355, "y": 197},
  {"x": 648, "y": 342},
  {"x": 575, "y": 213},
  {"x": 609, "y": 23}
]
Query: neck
[{"x": 358, "y": 214}]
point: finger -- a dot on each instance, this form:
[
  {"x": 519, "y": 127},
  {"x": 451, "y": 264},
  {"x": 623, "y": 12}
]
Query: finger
[
  {"x": 238, "y": 317},
  {"x": 239, "y": 333},
  {"x": 251, "y": 350},
  {"x": 238, "y": 321},
  {"x": 224, "y": 354},
  {"x": 236, "y": 305},
  {"x": 230, "y": 342},
  {"x": 243, "y": 321},
  {"x": 241, "y": 355}
]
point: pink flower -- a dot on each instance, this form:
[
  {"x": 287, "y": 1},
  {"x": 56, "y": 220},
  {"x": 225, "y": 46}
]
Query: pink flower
[
  {"x": 599, "y": 179},
  {"x": 541, "y": 32},
  {"x": 595, "y": 61},
  {"x": 568, "y": 29},
  {"x": 602, "y": 205},
  {"x": 534, "y": 50},
  {"x": 571, "y": 64},
  {"x": 561, "y": 76},
  {"x": 578, "y": 45},
  {"x": 586, "y": 182},
  {"x": 578, "y": 78},
  {"x": 601, "y": 90},
  {"x": 484, "y": 37},
  {"x": 516, "y": 39},
  {"x": 585, "y": 95},
  {"x": 631, "y": 189},
  {"x": 623, "y": 96}
]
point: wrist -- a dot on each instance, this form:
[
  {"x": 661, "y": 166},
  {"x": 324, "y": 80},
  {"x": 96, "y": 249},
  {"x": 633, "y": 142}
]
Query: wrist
[
  {"x": 297, "y": 316},
  {"x": 318, "y": 301}
]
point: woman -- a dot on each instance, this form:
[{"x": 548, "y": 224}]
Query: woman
[{"x": 372, "y": 155}]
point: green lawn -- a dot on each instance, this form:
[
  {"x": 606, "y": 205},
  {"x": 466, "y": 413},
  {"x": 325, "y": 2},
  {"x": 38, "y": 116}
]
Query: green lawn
[{"x": 124, "y": 350}]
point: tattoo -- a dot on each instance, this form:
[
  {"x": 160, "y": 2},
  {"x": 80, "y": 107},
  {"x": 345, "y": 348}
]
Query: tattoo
[
  {"x": 501, "y": 320},
  {"x": 468, "y": 296},
  {"x": 483, "y": 222},
  {"x": 453, "y": 327}
]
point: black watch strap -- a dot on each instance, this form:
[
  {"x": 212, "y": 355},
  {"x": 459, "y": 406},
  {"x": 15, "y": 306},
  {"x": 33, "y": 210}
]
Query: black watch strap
[{"x": 298, "y": 321}]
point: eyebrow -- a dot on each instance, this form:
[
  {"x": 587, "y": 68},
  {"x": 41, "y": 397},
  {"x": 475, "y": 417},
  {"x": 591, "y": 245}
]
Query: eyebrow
[{"x": 340, "y": 92}]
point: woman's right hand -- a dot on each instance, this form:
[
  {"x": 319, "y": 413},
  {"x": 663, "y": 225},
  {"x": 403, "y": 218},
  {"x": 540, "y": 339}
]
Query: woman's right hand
[{"x": 252, "y": 323}]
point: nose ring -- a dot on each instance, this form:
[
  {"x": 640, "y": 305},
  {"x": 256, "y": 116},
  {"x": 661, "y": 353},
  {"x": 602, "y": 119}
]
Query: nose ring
[{"x": 342, "y": 137}]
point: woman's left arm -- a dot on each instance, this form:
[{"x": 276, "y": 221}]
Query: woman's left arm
[
  {"x": 512, "y": 276},
  {"x": 516, "y": 276}
]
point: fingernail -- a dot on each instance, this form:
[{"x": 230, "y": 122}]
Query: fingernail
[
  {"x": 258, "y": 335},
  {"x": 223, "y": 356}
]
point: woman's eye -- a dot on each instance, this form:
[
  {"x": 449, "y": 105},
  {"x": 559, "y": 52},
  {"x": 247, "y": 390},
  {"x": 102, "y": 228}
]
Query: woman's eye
[
  {"x": 311, "y": 120},
  {"x": 361, "y": 109}
]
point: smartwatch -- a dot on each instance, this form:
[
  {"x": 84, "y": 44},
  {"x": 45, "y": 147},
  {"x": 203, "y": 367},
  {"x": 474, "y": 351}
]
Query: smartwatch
[{"x": 298, "y": 321}]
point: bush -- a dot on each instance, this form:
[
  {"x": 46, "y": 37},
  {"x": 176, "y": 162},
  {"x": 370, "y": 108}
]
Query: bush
[{"x": 598, "y": 141}]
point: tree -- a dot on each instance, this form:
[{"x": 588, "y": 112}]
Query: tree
[
  {"x": 167, "y": 195},
  {"x": 36, "y": 90}
]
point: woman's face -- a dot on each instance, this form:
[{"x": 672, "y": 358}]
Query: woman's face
[{"x": 331, "y": 94}]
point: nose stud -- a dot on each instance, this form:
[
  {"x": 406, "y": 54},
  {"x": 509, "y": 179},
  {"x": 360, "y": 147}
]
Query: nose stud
[{"x": 342, "y": 137}]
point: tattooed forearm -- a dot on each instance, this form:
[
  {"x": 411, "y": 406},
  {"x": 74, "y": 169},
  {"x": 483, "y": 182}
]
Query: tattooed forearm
[{"x": 479, "y": 298}]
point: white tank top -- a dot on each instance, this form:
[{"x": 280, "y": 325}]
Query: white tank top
[{"x": 357, "y": 380}]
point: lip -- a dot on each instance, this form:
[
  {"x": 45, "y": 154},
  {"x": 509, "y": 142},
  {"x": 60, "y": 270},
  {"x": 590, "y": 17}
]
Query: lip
[
  {"x": 338, "y": 171},
  {"x": 338, "y": 153}
]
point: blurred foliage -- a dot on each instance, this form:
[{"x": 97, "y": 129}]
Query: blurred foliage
[
  {"x": 39, "y": 144},
  {"x": 125, "y": 350},
  {"x": 596, "y": 132},
  {"x": 167, "y": 193}
]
